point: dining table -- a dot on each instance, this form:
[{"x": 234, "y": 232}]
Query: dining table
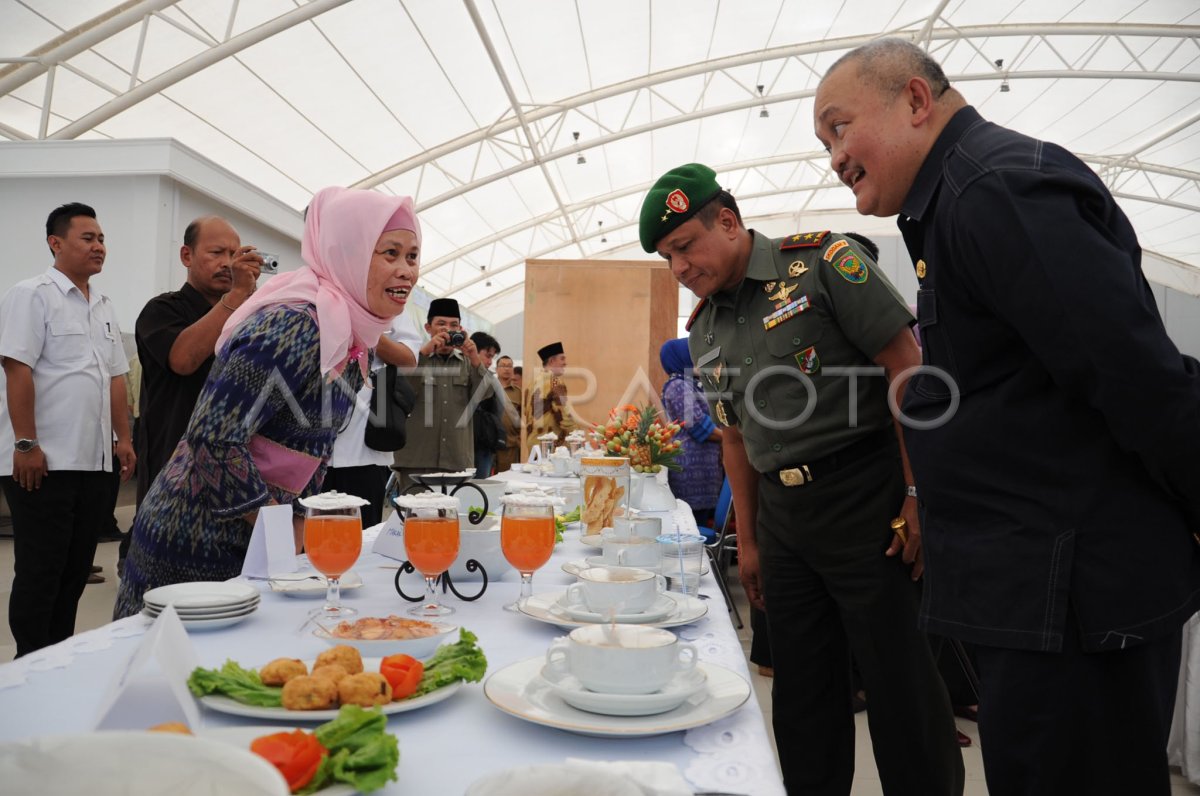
[{"x": 446, "y": 746}]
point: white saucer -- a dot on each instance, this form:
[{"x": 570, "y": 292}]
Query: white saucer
[
  {"x": 592, "y": 540},
  {"x": 521, "y": 691},
  {"x": 310, "y": 584},
  {"x": 659, "y": 609},
  {"x": 544, "y": 608},
  {"x": 574, "y": 567},
  {"x": 684, "y": 686}
]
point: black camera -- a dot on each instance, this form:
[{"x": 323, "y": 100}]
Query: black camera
[
  {"x": 457, "y": 338},
  {"x": 270, "y": 264}
]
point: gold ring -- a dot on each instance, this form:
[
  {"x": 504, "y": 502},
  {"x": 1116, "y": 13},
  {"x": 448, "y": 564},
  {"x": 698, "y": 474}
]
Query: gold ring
[{"x": 900, "y": 528}]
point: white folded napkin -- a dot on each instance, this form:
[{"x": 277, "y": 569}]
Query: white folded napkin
[{"x": 593, "y": 777}]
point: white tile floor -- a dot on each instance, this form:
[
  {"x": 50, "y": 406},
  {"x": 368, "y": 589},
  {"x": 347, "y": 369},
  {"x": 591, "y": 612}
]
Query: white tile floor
[{"x": 95, "y": 609}]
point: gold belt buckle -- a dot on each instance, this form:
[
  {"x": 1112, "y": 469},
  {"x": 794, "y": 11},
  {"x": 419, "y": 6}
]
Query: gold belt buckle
[{"x": 795, "y": 476}]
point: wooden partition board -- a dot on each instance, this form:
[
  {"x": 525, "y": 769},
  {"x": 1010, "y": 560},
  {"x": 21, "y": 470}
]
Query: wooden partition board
[{"x": 612, "y": 317}]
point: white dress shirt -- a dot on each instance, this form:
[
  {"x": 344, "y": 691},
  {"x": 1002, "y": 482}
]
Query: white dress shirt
[
  {"x": 73, "y": 344},
  {"x": 350, "y": 448}
]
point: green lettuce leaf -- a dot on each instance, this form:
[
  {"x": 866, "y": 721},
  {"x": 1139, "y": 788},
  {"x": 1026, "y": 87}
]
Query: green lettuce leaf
[
  {"x": 463, "y": 660},
  {"x": 235, "y": 682},
  {"x": 362, "y": 753}
]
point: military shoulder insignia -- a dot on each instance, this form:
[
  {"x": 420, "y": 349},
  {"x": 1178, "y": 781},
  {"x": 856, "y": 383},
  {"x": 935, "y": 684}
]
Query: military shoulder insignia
[
  {"x": 687, "y": 327},
  {"x": 803, "y": 240},
  {"x": 808, "y": 360},
  {"x": 833, "y": 249},
  {"x": 797, "y": 268},
  {"x": 852, "y": 269},
  {"x": 920, "y": 269}
]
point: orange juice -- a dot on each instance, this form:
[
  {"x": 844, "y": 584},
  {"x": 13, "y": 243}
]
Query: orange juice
[
  {"x": 332, "y": 543},
  {"x": 527, "y": 542},
  {"x": 431, "y": 543}
]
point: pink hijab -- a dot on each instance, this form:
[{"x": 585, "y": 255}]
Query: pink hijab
[{"x": 340, "y": 232}]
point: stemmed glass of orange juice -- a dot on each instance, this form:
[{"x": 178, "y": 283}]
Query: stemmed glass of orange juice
[
  {"x": 527, "y": 536},
  {"x": 332, "y": 541},
  {"x": 430, "y": 542}
]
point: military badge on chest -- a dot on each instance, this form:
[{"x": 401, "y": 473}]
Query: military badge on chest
[
  {"x": 808, "y": 361},
  {"x": 785, "y": 306}
]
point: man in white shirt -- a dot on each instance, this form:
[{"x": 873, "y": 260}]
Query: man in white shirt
[
  {"x": 353, "y": 467},
  {"x": 63, "y": 423}
]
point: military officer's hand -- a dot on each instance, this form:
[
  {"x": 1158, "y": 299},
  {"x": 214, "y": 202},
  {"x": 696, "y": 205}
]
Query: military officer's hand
[
  {"x": 750, "y": 574},
  {"x": 911, "y": 545}
]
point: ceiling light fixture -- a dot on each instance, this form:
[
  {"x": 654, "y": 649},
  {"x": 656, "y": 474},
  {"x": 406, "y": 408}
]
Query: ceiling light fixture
[
  {"x": 764, "y": 113},
  {"x": 579, "y": 159},
  {"x": 603, "y": 239},
  {"x": 1004, "y": 89}
]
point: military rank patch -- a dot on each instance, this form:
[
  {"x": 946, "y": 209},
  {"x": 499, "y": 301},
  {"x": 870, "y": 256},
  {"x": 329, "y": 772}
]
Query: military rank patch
[
  {"x": 789, "y": 310},
  {"x": 833, "y": 249},
  {"x": 808, "y": 360},
  {"x": 804, "y": 240},
  {"x": 852, "y": 269}
]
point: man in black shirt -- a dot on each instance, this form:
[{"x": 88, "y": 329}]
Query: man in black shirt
[
  {"x": 1054, "y": 446},
  {"x": 177, "y": 333}
]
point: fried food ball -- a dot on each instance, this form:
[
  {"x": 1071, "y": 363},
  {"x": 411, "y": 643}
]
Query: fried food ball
[
  {"x": 365, "y": 689},
  {"x": 309, "y": 693},
  {"x": 344, "y": 655},
  {"x": 330, "y": 671},
  {"x": 172, "y": 726},
  {"x": 280, "y": 670}
]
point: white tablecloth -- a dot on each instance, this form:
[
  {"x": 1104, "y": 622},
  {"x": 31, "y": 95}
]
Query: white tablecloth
[{"x": 443, "y": 747}]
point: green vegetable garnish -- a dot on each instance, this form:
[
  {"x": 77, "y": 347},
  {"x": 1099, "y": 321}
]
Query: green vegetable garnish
[
  {"x": 237, "y": 683},
  {"x": 462, "y": 660},
  {"x": 362, "y": 753},
  {"x": 561, "y": 520}
]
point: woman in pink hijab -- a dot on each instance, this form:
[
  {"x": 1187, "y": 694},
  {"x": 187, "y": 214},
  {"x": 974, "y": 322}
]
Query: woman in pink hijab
[{"x": 289, "y": 363}]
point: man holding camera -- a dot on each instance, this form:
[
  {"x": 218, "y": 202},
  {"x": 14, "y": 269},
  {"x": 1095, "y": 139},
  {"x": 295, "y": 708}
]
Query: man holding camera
[
  {"x": 449, "y": 381},
  {"x": 176, "y": 335}
]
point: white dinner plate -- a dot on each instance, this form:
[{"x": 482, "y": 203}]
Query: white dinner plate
[
  {"x": 242, "y": 736},
  {"x": 135, "y": 763},
  {"x": 310, "y": 584},
  {"x": 682, "y": 687},
  {"x": 203, "y": 613},
  {"x": 224, "y": 704},
  {"x": 659, "y": 609},
  {"x": 206, "y": 613},
  {"x": 544, "y": 608},
  {"x": 521, "y": 691},
  {"x": 206, "y": 624},
  {"x": 201, "y": 594}
]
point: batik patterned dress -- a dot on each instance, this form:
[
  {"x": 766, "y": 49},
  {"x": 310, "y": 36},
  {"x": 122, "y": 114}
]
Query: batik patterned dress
[
  {"x": 699, "y": 482},
  {"x": 261, "y": 433}
]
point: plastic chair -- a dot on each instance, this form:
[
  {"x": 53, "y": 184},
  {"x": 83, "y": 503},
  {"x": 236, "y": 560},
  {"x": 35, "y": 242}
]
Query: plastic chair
[{"x": 720, "y": 544}]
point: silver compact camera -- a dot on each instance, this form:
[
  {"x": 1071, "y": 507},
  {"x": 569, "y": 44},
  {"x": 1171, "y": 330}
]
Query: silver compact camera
[{"x": 270, "y": 264}]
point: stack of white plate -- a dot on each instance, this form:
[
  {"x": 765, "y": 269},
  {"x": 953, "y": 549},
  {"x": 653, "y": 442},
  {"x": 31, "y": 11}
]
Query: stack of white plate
[{"x": 203, "y": 605}]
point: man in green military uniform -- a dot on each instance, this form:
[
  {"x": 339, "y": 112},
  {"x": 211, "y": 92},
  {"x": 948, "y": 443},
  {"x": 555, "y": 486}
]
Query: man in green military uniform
[{"x": 798, "y": 341}]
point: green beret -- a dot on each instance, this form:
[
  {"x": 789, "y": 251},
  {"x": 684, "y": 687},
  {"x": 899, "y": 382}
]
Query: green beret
[{"x": 677, "y": 196}]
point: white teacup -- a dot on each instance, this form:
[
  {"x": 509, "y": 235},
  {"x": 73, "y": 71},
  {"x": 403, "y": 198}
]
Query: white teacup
[
  {"x": 633, "y": 551},
  {"x": 616, "y": 589},
  {"x": 646, "y": 527},
  {"x": 621, "y": 659},
  {"x": 561, "y": 465}
]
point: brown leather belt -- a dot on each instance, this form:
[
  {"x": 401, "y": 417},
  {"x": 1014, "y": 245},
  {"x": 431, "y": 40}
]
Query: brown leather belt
[{"x": 801, "y": 474}]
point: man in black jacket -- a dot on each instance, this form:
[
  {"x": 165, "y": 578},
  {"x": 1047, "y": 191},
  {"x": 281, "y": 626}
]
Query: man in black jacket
[
  {"x": 487, "y": 422},
  {"x": 1053, "y": 435}
]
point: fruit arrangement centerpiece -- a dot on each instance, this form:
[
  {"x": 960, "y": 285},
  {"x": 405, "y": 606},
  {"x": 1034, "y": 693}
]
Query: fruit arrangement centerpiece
[{"x": 640, "y": 434}]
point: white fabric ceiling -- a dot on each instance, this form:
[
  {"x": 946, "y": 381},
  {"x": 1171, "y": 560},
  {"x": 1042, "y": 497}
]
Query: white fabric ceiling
[{"x": 473, "y": 106}]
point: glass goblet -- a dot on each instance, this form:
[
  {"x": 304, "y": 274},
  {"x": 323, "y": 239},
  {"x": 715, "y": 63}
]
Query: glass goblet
[
  {"x": 527, "y": 538},
  {"x": 333, "y": 541},
  {"x": 431, "y": 544}
]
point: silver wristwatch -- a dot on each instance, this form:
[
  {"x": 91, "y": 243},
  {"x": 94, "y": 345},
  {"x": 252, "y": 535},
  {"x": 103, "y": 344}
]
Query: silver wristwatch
[{"x": 25, "y": 445}]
